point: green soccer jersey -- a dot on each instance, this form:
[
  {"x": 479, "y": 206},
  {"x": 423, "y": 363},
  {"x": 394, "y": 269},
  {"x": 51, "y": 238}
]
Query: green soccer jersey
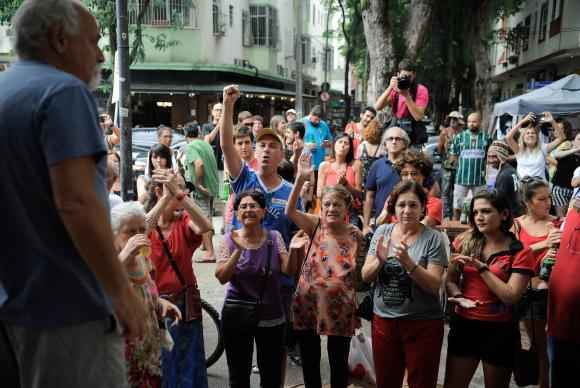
[{"x": 471, "y": 152}]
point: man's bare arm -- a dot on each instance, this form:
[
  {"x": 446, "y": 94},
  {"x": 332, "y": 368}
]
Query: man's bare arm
[{"x": 87, "y": 222}]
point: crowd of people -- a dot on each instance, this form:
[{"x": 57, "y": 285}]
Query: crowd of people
[{"x": 97, "y": 292}]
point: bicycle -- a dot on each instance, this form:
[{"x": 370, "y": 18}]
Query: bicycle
[{"x": 212, "y": 334}]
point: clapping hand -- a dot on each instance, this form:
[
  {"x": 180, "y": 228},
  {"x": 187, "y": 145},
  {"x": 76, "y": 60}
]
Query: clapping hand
[
  {"x": 382, "y": 251},
  {"x": 168, "y": 179}
]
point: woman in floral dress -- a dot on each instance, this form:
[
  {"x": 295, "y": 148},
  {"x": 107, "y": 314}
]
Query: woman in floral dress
[{"x": 325, "y": 299}]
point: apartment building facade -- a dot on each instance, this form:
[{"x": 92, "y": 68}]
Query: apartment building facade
[{"x": 538, "y": 45}]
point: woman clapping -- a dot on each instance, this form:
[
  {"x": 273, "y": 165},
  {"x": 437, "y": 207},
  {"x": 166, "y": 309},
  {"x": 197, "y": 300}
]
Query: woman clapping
[{"x": 406, "y": 261}]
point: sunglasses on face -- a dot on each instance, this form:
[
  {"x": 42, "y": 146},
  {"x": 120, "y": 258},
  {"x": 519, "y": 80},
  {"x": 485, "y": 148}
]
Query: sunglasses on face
[{"x": 394, "y": 139}]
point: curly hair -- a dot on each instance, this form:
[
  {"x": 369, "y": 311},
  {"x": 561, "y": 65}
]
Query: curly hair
[
  {"x": 415, "y": 159},
  {"x": 372, "y": 133}
]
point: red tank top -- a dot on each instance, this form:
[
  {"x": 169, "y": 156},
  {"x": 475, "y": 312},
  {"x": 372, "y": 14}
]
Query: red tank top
[{"x": 529, "y": 240}]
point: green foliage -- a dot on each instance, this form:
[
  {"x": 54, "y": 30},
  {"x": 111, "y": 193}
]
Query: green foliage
[{"x": 104, "y": 12}]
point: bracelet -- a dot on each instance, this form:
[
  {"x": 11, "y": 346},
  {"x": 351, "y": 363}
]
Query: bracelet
[
  {"x": 483, "y": 268},
  {"x": 412, "y": 269}
]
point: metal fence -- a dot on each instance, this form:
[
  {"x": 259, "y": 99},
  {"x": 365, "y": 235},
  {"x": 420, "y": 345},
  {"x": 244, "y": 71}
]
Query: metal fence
[{"x": 165, "y": 12}]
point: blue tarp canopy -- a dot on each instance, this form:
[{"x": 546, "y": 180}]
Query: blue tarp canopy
[{"x": 561, "y": 98}]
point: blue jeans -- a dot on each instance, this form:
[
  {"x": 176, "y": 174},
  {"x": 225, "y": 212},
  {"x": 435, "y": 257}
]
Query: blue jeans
[
  {"x": 564, "y": 362},
  {"x": 184, "y": 366}
]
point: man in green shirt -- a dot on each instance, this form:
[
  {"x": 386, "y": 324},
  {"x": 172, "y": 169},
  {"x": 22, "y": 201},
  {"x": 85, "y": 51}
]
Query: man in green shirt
[
  {"x": 202, "y": 172},
  {"x": 469, "y": 149}
]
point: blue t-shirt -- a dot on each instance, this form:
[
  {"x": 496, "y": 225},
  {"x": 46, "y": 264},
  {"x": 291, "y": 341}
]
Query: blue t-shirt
[
  {"x": 276, "y": 200},
  {"x": 381, "y": 179},
  {"x": 317, "y": 135},
  {"x": 46, "y": 116}
]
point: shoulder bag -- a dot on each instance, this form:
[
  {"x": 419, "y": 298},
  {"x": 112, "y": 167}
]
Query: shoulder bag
[
  {"x": 239, "y": 314},
  {"x": 190, "y": 293}
]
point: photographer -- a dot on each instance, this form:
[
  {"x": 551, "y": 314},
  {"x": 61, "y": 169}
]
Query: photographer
[{"x": 408, "y": 101}]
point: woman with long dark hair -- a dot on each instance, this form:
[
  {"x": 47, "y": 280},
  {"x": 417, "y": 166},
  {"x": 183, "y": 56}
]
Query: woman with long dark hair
[
  {"x": 343, "y": 169},
  {"x": 487, "y": 275},
  {"x": 540, "y": 231},
  {"x": 159, "y": 158}
]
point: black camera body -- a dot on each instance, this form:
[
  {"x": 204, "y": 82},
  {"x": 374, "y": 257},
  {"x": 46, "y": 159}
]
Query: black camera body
[{"x": 404, "y": 82}]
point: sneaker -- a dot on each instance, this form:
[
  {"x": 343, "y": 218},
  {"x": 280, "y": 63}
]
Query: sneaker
[{"x": 255, "y": 369}]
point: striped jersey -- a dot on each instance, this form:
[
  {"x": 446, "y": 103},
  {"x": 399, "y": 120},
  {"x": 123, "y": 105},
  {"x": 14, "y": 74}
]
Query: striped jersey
[{"x": 471, "y": 151}]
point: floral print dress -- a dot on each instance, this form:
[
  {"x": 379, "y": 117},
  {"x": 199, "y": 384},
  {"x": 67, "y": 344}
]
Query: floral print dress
[
  {"x": 325, "y": 299},
  {"x": 144, "y": 355}
]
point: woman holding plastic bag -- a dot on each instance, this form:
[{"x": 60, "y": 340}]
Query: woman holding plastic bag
[{"x": 406, "y": 261}]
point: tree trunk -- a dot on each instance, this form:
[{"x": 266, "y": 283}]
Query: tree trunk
[
  {"x": 483, "y": 88},
  {"x": 417, "y": 25},
  {"x": 380, "y": 47}
]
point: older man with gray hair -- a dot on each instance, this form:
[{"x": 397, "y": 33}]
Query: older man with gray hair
[
  {"x": 60, "y": 276},
  {"x": 382, "y": 176}
]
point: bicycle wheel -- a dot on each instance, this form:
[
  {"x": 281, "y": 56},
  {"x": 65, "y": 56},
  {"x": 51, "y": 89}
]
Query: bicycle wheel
[{"x": 212, "y": 334}]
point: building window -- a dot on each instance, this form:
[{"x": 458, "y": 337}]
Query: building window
[
  {"x": 219, "y": 24},
  {"x": 264, "y": 26},
  {"x": 306, "y": 50},
  {"x": 543, "y": 22},
  {"x": 164, "y": 12},
  {"x": 526, "y": 37}
]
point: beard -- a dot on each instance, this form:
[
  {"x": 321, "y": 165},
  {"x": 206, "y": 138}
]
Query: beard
[{"x": 95, "y": 79}]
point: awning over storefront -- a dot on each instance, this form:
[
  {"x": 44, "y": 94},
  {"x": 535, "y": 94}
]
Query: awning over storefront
[{"x": 154, "y": 88}]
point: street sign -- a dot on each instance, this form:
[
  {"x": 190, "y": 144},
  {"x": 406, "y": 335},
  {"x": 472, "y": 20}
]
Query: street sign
[{"x": 324, "y": 96}]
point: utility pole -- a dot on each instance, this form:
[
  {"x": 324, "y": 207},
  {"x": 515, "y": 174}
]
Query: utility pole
[
  {"x": 124, "y": 103},
  {"x": 299, "y": 81}
]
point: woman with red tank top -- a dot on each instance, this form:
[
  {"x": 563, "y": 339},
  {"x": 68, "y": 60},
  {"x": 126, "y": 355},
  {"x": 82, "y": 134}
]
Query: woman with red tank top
[
  {"x": 539, "y": 231},
  {"x": 345, "y": 170}
]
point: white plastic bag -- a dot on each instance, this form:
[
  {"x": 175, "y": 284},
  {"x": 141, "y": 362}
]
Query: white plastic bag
[{"x": 360, "y": 359}]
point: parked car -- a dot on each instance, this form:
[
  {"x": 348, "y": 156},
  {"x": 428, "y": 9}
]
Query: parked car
[{"x": 143, "y": 139}]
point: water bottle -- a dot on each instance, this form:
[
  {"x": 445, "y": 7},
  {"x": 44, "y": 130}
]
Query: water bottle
[
  {"x": 548, "y": 262},
  {"x": 464, "y": 219}
]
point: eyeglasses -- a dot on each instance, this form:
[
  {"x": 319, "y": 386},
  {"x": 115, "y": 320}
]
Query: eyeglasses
[
  {"x": 409, "y": 173},
  {"x": 395, "y": 139}
]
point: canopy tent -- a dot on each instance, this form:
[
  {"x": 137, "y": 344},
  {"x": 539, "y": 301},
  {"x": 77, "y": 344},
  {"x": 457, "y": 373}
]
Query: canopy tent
[{"x": 561, "y": 98}]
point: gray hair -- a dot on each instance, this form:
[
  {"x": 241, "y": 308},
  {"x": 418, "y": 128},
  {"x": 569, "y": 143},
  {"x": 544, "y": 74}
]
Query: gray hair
[
  {"x": 123, "y": 212},
  {"x": 32, "y": 20},
  {"x": 404, "y": 135}
]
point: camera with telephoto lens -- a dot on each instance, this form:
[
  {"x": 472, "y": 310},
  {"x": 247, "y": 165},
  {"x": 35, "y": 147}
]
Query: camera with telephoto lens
[{"x": 404, "y": 82}]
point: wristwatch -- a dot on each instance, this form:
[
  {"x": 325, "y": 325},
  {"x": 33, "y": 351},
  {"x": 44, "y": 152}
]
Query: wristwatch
[{"x": 483, "y": 268}]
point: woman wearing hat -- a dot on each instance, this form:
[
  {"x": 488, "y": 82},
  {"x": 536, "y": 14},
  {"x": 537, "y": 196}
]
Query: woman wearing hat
[{"x": 453, "y": 125}]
